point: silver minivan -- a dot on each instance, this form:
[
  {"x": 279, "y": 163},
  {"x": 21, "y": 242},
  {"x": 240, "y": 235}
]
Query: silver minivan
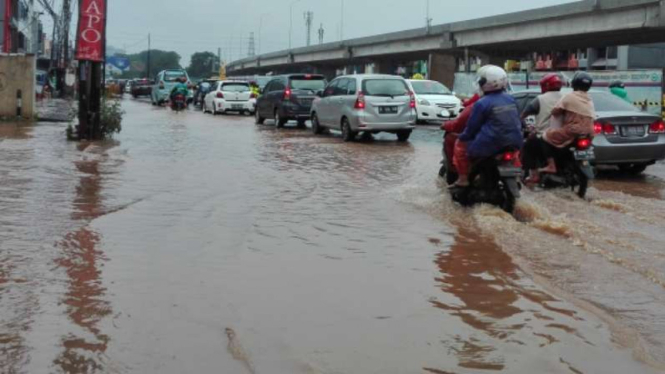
[{"x": 367, "y": 104}]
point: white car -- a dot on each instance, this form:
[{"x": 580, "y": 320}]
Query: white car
[
  {"x": 230, "y": 96},
  {"x": 434, "y": 101}
]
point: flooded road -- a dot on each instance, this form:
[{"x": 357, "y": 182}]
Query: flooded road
[{"x": 201, "y": 244}]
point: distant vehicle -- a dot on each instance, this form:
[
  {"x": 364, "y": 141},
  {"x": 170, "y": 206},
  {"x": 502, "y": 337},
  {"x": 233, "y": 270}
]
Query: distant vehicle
[
  {"x": 140, "y": 87},
  {"x": 202, "y": 89},
  {"x": 262, "y": 81},
  {"x": 434, "y": 101},
  {"x": 289, "y": 97},
  {"x": 179, "y": 103},
  {"x": 625, "y": 136},
  {"x": 365, "y": 103},
  {"x": 41, "y": 78},
  {"x": 229, "y": 96},
  {"x": 164, "y": 83}
]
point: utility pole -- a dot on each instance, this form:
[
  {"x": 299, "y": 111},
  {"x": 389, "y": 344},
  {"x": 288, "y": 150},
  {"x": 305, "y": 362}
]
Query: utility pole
[
  {"x": 309, "y": 18},
  {"x": 341, "y": 27},
  {"x": 251, "y": 51},
  {"x": 219, "y": 60},
  {"x": 148, "y": 68},
  {"x": 321, "y": 34},
  {"x": 428, "y": 19}
]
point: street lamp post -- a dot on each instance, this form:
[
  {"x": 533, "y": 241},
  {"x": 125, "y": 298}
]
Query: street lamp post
[
  {"x": 291, "y": 20},
  {"x": 341, "y": 23}
]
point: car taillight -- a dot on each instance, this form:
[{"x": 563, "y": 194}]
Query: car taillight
[
  {"x": 412, "y": 102},
  {"x": 252, "y": 96},
  {"x": 657, "y": 127},
  {"x": 604, "y": 128},
  {"x": 609, "y": 128},
  {"x": 360, "y": 102},
  {"x": 583, "y": 143},
  {"x": 220, "y": 95},
  {"x": 287, "y": 94}
]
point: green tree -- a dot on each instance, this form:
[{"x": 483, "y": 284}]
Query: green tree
[
  {"x": 159, "y": 60},
  {"x": 202, "y": 65}
]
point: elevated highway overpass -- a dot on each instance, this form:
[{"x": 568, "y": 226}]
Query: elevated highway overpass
[{"x": 583, "y": 24}]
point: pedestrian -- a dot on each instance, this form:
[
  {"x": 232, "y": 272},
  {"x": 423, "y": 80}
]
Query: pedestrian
[{"x": 618, "y": 89}]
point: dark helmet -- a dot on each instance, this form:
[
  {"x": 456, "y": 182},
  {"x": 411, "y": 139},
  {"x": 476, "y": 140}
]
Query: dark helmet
[
  {"x": 617, "y": 84},
  {"x": 582, "y": 81},
  {"x": 551, "y": 82}
]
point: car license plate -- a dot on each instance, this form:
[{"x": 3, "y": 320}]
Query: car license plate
[
  {"x": 236, "y": 106},
  {"x": 587, "y": 155},
  {"x": 632, "y": 131},
  {"x": 387, "y": 110}
]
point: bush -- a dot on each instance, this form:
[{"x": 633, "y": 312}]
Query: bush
[{"x": 111, "y": 117}]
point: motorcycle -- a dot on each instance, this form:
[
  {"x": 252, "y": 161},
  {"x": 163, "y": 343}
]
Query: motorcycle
[
  {"x": 574, "y": 169},
  {"x": 494, "y": 180},
  {"x": 179, "y": 103}
]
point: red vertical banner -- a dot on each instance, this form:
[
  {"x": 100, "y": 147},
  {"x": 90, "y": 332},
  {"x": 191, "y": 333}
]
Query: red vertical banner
[
  {"x": 91, "y": 31},
  {"x": 7, "y": 41}
]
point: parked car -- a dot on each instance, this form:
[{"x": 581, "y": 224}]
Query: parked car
[
  {"x": 165, "y": 82},
  {"x": 434, "y": 101},
  {"x": 365, "y": 103},
  {"x": 289, "y": 97},
  {"x": 140, "y": 87},
  {"x": 230, "y": 96},
  {"x": 202, "y": 89},
  {"x": 625, "y": 136}
]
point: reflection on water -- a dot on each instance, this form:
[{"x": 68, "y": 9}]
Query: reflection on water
[{"x": 82, "y": 260}]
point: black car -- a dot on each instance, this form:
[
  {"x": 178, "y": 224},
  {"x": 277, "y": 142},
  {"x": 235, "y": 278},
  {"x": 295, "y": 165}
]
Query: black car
[
  {"x": 289, "y": 97},
  {"x": 202, "y": 89},
  {"x": 141, "y": 87}
]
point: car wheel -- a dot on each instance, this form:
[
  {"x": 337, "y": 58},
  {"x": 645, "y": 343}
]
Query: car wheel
[
  {"x": 633, "y": 169},
  {"x": 279, "y": 121},
  {"x": 258, "y": 119},
  {"x": 348, "y": 135},
  {"x": 403, "y": 135},
  {"x": 316, "y": 125}
]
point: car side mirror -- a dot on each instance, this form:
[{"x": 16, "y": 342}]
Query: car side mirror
[{"x": 319, "y": 93}]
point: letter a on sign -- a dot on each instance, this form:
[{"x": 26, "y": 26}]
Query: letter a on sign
[{"x": 91, "y": 30}]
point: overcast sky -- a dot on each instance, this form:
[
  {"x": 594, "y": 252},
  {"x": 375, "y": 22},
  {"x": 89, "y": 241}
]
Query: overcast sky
[{"x": 188, "y": 26}]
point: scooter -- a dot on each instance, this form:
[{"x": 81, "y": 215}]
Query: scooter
[
  {"x": 494, "y": 180},
  {"x": 574, "y": 169},
  {"x": 179, "y": 103}
]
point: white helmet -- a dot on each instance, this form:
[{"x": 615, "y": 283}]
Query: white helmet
[{"x": 492, "y": 78}]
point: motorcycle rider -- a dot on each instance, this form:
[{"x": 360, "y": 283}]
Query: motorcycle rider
[
  {"x": 618, "y": 89},
  {"x": 541, "y": 107},
  {"x": 179, "y": 89},
  {"x": 494, "y": 124},
  {"x": 576, "y": 114},
  {"x": 254, "y": 87}
]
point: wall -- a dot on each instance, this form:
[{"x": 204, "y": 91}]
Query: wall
[
  {"x": 17, "y": 72},
  {"x": 650, "y": 56}
]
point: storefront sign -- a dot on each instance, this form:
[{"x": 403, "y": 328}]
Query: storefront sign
[{"x": 91, "y": 30}]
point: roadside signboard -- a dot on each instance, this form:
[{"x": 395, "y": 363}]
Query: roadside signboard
[{"x": 90, "y": 39}]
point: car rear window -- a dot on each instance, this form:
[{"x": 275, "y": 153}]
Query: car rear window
[
  {"x": 312, "y": 84},
  {"x": 385, "y": 87},
  {"x": 430, "y": 88},
  {"x": 172, "y": 76},
  {"x": 235, "y": 87},
  {"x": 605, "y": 102}
]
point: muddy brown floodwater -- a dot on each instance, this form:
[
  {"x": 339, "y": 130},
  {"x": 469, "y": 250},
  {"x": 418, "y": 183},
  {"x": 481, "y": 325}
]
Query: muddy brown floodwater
[{"x": 201, "y": 244}]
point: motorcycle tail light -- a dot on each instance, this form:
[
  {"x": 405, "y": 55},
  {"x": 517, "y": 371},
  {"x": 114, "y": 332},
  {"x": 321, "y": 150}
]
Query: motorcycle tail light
[
  {"x": 508, "y": 156},
  {"x": 657, "y": 127},
  {"x": 583, "y": 143}
]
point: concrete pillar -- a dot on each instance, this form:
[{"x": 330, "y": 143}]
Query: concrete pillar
[{"x": 442, "y": 68}]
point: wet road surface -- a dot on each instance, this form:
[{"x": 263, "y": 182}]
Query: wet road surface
[{"x": 201, "y": 244}]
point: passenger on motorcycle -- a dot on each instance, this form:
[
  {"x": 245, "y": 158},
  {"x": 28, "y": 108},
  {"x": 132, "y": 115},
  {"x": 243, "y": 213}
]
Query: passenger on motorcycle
[
  {"x": 454, "y": 128},
  {"x": 541, "y": 107},
  {"x": 494, "y": 124},
  {"x": 179, "y": 89},
  {"x": 573, "y": 117}
]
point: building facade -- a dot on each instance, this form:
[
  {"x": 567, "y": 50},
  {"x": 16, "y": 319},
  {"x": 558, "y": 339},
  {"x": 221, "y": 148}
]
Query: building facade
[{"x": 21, "y": 30}]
